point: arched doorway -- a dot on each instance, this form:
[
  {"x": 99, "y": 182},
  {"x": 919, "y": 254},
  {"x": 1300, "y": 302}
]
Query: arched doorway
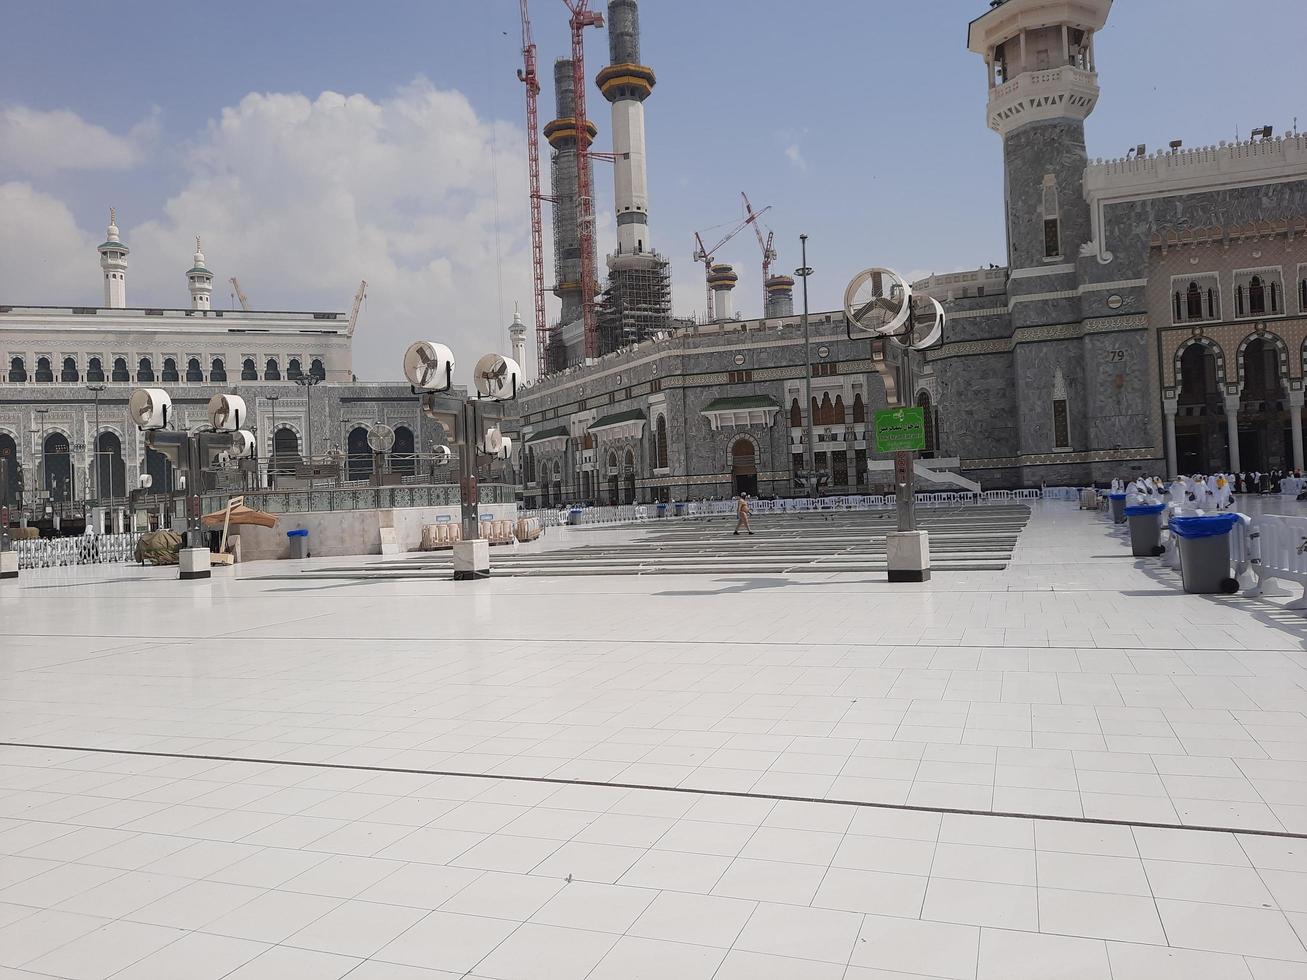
[
  {"x": 1265, "y": 436},
  {"x": 1200, "y": 432},
  {"x": 58, "y": 467},
  {"x": 612, "y": 479},
  {"x": 403, "y": 458},
  {"x": 285, "y": 451},
  {"x": 358, "y": 454},
  {"x": 744, "y": 467},
  {"x": 628, "y": 473},
  {"x": 558, "y": 481},
  {"x": 110, "y": 470},
  {"x": 9, "y": 460}
]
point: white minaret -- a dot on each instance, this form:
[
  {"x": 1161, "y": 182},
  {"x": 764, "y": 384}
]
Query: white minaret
[
  {"x": 722, "y": 280},
  {"x": 113, "y": 260},
  {"x": 517, "y": 336},
  {"x": 200, "y": 280},
  {"x": 626, "y": 84}
]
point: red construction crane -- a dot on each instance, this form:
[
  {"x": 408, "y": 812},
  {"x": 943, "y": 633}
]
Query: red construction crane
[
  {"x": 527, "y": 75},
  {"x": 705, "y": 255},
  {"x": 583, "y": 17},
  {"x": 768, "y": 253}
]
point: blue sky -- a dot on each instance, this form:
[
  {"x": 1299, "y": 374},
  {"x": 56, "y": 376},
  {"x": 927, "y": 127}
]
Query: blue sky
[{"x": 860, "y": 121}]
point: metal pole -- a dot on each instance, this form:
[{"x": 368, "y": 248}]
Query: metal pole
[
  {"x": 468, "y": 490},
  {"x": 272, "y": 469},
  {"x": 804, "y": 272}
]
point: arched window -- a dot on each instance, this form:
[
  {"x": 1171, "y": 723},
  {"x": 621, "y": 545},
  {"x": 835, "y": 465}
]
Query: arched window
[
  {"x": 58, "y": 465},
  {"x": 629, "y": 470},
  {"x": 838, "y": 414},
  {"x": 68, "y": 374},
  {"x": 1274, "y": 289},
  {"x": 110, "y": 472},
  {"x": 1302, "y": 296},
  {"x": 94, "y": 370},
  {"x": 661, "y": 441},
  {"x": 928, "y": 416},
  {"x": 796, "y": 414},
  {"x": 1238, "y": 301},
  {"x": 145, "y": 370},
  {"x": 194, "y": 372},
  {"x": 1197, "y": 373},
  {"x": 9, "y": 459},
  {"x": 285, "y": 451},
  {"x": 402, "y": 456},
  {"x": 17, "y": 370},
  {"x": 1175, "y": 306},
  {"x": 120, "y": 372},
  {"x": 1256, "y": 297},
  {"x": 1211, "y": 303},
  {"x": 248, "y": 371},
  {"x": 293, "y": 371},
  {"x": 217, "y": 370},
  {"x": 271, "y": 372},
  {"x": 317, "y": 370},
  {"x": 1193, "y": 302},
  {"x": 169, "y": 372},
  {"x": 859, "y": 408},
  {"x": 160, "y": 471},
  {"x": 358, "y": 454},
  {"x": 826, "y": 413},
  {"x": 1261, "y": 371},
  {"x": 43, "y": 371}
]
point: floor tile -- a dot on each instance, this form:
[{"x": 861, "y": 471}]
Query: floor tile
[
  {"x": 1227, "y": 929},
  {"x": 700, "y": 919},
  {"x": 195, "y": 956},
  {"x": 633, "y": 958},
  {"x": 445, "y": 941},
  {"x": 871, "y": 891},
  {"x": 104, "y": 951},
  {"x": 287, "y": 963},
  {"x": 273, "y": 916},
  {"x": 586, "y": 905},
  {"x": 933, "y": 949},
  {"x": 803, "y": 933},
  {"x": 355, "y": 928},
  {"x": 1094, "y": 915},
  {"x": 545, "y": 952},
  {"x": 982, "y": 903},
  {"x": 1131, "y": 961},
  {"x": 1006, "y": 955}
]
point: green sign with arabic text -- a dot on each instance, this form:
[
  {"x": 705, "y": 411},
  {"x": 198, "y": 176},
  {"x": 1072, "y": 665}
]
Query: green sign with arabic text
[{"x": 900, "y": 430}]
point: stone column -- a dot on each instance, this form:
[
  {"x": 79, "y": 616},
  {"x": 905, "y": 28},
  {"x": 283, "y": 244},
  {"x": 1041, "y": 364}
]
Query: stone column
[
  {"x": 1232, "y": 430},
  {"x": 1169, "y": 406},
  {"x": 1296, "y": 399}
]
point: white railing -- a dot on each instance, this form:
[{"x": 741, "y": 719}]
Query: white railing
[
  {"x": 1276, "y": 549},
  {"x": 83, "y": 549},
  {"x": 1062, "y": 493}
]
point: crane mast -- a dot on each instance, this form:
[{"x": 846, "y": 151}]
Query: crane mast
[
  {"x": 527, "y": 75},
  {"x": 768, "y": 252},
  {"x": 583, "y": 17},
  {"x": 705, "y": 255},
  {"x": 244, "y": 301},
  {"x": 358, "y": 302}
]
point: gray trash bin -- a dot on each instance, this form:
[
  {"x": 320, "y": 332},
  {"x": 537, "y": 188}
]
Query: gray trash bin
[
  {"x": 574, "y": 515},
  {"x": 1145, "y": 522},
  {"x": 1117, "y": 502},
  {"x": 299, "y": 542},
  {"x": 1204, "y": 541}
]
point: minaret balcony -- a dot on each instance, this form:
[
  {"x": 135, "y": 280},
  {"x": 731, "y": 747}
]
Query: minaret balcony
[{"x": 1048, "y": 93}]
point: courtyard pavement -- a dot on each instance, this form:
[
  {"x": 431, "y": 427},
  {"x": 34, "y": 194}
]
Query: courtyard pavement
[{"x": 1065, "y": 768}]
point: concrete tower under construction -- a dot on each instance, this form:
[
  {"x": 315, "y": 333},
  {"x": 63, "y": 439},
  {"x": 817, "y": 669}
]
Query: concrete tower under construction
[
  {"x": 636, "y": 304},
  {"x": 567, "y": 339}
]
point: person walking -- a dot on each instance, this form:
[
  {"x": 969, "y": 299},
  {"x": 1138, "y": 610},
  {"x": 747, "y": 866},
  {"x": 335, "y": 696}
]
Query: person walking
[{"x": 742, "y": 513}]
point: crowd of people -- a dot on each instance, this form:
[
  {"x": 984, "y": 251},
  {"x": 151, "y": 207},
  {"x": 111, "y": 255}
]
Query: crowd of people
[{"x": 1214, "y": 491}]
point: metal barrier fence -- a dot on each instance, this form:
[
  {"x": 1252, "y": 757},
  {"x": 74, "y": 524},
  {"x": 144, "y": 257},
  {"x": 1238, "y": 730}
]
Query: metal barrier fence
[
  {"x": 633, "y": 513},
  {"x": 1274, "y": 549},
  {"x": 359, "y": 498},
  {"x": 83, "y": 549}
]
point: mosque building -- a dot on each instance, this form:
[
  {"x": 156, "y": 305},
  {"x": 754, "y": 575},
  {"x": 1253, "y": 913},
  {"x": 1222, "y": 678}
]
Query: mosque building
[{"x": 1150, "y": 316}]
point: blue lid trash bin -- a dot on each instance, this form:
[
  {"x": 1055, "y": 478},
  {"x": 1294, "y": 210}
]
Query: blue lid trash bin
[
  {"x": 1117, "y": 503},
  {"x": 1145, "y": 522},
  {"x": 661, "y": 510},
  {"x": 678, "y": 508},
  {"x": 1204, "y": 541},
  {"x": 574, "y": 515},
  {"x": 299, "y": 542}
]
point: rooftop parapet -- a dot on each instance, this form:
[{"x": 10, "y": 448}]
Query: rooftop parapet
[{"x": 1276, "y": 157}]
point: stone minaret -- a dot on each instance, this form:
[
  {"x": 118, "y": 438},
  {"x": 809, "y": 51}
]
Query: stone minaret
[
  {"x": 200, "y": 280},
  {"x": 626, "y": 84},
  {"x": 1039, "y": 58},
  {"x": 113, "y": 260}
]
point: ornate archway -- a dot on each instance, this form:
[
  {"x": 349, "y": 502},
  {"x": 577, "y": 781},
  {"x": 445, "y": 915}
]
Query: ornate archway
[{"x": 744, "y": 456}]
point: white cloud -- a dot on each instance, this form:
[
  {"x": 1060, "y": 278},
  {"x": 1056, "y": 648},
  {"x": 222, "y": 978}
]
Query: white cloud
[
  {"x": 41, "y": 143},
  {"x": 795, "y": 156},
  {"x": 301, "y": 198},
  {"x": 44, "y": 257}
]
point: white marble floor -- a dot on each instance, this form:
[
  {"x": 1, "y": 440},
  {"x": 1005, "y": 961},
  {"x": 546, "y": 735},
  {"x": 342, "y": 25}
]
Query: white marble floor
[{"x": 993, "y": 775}]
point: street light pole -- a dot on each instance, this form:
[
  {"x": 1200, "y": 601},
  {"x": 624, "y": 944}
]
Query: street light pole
[
  {"x": 272, "y": 454},
  {"x": 803, "y": 272},
  {"x": 307, "y": 381}
]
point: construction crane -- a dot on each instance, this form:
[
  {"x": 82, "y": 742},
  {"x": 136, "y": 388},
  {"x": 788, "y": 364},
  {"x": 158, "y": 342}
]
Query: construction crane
[
  {"x": 705, "y": 255},
  {"x": 528, "y": 77},
  {"x": 583, "y": 17},
  {"x": 358, "y": 301},
  {"x": 768, "y": 253},
  {"x": 244, "y": 301}
]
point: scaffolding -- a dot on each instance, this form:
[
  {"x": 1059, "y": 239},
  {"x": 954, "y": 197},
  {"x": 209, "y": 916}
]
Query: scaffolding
[{"x": 637, "y": 304}]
